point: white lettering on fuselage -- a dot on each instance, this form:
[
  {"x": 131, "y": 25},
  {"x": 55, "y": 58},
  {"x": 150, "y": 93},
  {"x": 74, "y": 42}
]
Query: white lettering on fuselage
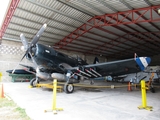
[{"x": 47, "y": 51}]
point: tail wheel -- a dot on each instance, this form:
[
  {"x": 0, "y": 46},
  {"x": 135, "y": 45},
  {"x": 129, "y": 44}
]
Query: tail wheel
[{"x": 68, "y": 88}]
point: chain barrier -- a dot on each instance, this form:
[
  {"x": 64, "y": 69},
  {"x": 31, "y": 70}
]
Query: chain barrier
[{"x": 98, "y": 86}]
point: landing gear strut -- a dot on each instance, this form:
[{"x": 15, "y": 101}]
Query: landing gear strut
[
  {"x": 68, "y": 88},
  {"x": 92, "y": 82}
]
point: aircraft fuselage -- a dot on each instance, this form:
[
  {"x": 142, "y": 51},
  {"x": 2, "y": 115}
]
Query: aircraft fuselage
[{"x": 50, "y": 60}]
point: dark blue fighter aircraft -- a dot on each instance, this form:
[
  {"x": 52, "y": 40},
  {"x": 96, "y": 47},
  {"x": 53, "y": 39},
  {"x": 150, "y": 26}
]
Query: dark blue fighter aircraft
[{"x": 50, "y": 64}]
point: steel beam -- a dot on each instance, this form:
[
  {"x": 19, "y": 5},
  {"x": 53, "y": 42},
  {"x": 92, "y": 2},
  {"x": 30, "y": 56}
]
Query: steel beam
[
  {"x": 112, "y": 20},
  {"x": 107, "y": 5},
  {"x": 34, "y": 29},
  {"x": 57, "y": 11},
  {"x": 68, "y": 3},
  {"x": 10, "y": 12},
  {"x": 41, "y": 39},
  {"x": 46, "y": 17},
  {"x": 91, "y": 6},
  {"x": 130, "y": 37}
]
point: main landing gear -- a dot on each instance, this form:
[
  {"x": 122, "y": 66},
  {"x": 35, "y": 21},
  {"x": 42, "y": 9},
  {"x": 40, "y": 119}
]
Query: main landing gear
[
  {"x": 68, "y": 88},
  {"x": 34, "y": 82}
]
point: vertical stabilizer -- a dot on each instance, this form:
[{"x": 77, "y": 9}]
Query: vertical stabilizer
[{"x": 96, "y": 60}]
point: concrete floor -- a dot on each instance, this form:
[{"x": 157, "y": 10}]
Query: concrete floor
[{"x": 89, "y": 104}]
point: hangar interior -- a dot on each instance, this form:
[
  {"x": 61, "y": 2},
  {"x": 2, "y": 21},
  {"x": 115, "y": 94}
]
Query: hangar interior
[
  {"x": 107, "y": 29},
  {"x": 111, "y": 30}
]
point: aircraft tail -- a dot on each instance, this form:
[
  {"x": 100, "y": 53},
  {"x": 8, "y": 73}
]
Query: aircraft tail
[{"x": 96, "y": 60}]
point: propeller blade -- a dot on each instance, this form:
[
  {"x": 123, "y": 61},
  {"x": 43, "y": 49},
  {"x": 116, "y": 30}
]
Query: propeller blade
[
  {"x": 27, "y": 48},
  {"x": 37, "y": 36},
  {"x": 19, "y": 62},
  {"x": 24, "y": 42}
]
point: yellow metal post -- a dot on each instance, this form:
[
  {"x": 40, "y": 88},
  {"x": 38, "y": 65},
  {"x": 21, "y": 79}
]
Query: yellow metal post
[
  {"x": 0, "y": 76},
  {"x": 54, "y": 94},
  {"x": 144, "y": 97},
  {"x": 54, "y": 109}
]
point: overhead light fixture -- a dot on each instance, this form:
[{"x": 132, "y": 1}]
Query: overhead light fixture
[{"x": 159, "y": 11}]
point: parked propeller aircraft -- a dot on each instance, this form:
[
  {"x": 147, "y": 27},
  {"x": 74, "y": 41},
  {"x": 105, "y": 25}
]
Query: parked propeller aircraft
[{"x": 50, "y": 64}]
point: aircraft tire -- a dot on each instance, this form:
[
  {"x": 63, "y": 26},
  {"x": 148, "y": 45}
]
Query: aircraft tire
[
  {"x": 68, "y": 88},
  {"x": 33, "y": 82}
]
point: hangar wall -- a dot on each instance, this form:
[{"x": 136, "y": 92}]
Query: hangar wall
[
  {"x": 11, "y": 54},
  {"x": 155, "y": 60}
]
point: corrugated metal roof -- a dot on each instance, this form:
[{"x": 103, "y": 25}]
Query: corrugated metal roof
[{"x": 86, "y": 25}]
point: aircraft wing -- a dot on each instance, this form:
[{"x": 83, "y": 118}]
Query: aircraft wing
[
  {"x": 19, "y": 71},
  {"x": 29, "y": 69},
  {"x": 114, "y": 68}
]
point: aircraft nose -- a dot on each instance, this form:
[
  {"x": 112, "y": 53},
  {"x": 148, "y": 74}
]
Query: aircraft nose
[{"x": 148, "y": 59}]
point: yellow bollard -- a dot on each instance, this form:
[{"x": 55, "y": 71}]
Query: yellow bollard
[
  {"x": 0, "y": 76},
  {"x": 144, "y": 97},
  {"x": 54, "y": 94},
  {"x": 54, "y": 109}
]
